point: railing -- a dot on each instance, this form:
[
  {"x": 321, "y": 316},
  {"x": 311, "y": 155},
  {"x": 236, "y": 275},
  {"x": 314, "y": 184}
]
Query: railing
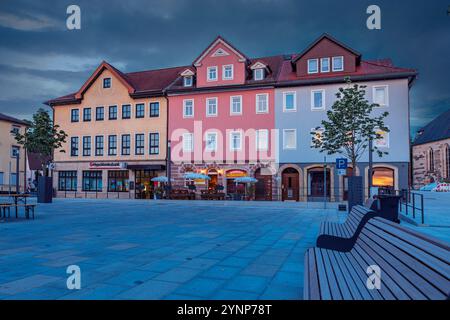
[
  {"x": 410, "y": 202},
  {"x": 94, "y": 194}
]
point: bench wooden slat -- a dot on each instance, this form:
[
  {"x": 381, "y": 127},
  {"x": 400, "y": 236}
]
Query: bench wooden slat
[
  {"x": 313, "y": 280},
  {"x": 325, "y": 293},
  {"x": 361, "y": 276},
  {"x": 413, "y": 274},
  {"x": 331, "y": 276},
  {"x": 431, "y": 248},
  {"x": 347, "y": 275},
  {"x": 423, "y": 256},
  {"x": 343, "y": 287}
]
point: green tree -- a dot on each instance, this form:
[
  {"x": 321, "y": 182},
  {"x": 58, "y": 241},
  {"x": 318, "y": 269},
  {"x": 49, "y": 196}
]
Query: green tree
[
  {"x": 350, "y": 125},
  {"x": 42, "y": 137}
]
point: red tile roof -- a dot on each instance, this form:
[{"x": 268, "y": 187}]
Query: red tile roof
[
  {"x": 281, "y": 73},
  {"x": 4, "y": 117},
  {"x": 364, "y": 69}
]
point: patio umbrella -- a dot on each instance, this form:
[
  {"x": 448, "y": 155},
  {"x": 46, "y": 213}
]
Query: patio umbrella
[
  {"x": 245, "y": 180},
  {"x": 195, "y": 176},
  {"x": 160, "y": 179}
]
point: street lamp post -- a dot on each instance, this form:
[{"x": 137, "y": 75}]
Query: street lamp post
[
  {"x": 169, "y": 166},
  {"x": 17, "y": 155},
  {"x": 370, "y": 167}
]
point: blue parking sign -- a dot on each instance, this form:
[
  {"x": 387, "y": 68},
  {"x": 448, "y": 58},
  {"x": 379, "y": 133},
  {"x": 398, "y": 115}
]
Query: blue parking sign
[{"x": 341, "y": 163}]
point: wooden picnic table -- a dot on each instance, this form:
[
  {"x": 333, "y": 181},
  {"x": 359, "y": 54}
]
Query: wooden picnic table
[{"x": 19, "y": 197}]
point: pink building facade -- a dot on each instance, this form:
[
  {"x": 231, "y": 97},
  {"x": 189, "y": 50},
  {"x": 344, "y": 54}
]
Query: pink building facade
[{"x": 222, "y": 120}]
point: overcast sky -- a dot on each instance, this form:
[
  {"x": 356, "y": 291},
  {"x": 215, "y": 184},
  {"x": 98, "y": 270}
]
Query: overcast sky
[{"x": 41, "y": 59}]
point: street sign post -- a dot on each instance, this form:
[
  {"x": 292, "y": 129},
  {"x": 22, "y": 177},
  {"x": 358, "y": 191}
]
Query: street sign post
[{"x": 341, "y": 166}]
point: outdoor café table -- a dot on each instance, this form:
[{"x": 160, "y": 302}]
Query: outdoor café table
[{"x": 19, "y": 197}]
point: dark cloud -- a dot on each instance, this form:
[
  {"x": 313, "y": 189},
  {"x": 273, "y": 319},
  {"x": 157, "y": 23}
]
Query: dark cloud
[{"x": 41, "y": 59}]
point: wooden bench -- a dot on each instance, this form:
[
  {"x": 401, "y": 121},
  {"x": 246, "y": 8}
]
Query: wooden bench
[
  {"x": 211, "y": 195},
  {"x": 3, "y": 208},
  {"x": 342, "y": 236},
  {"x": 28, "y": 208},
  {"x": 413, "y": 266},
  {"x": 182, "y": 194}
]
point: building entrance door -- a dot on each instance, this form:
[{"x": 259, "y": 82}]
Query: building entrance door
[
  {"x": 290, "y": 184},
  {"x": 143, "y": 184}
]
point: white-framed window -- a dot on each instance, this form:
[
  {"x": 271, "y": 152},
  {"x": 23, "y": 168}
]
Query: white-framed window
[
  {"x": 188, "y": 142},
  {"x": 236, "y": 105},
  {"x": 318, "y": 99},
  {"x": 212, "y": 73},
  {"x": 188, "y": 108},
  {"x": 227, "y": 72},
  {"x": 258, "y": 74},
  {"x": 317, "y": 133},
  {"x": 188, "y": 81},
  {"x": 325, "y": 65},
  {"x": 289, "y": 139},
  {"x": 211, "y": 141},
  {"x": 262, "y": 103},
  {"x": 384, "y": 141},
  {"x": 235, "y": 140},
  {"x": 289, "y": 101},
  {"x": 211, "y": 107},
  {"x": 262, "y": 140},
  {"x": 313, "y": 66},
  {"x": 381, "y": 95},
  {"x": 338, "y": 63}
]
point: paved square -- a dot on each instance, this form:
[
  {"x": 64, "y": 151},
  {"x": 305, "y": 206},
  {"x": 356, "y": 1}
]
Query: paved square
[{"x": 133, "y": 249}]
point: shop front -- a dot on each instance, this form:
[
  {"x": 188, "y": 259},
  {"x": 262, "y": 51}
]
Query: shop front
[
  {"x": 143, "y": 175},
  {"x": 103, "y": 179},
  {"x": 231, "y": 186}
]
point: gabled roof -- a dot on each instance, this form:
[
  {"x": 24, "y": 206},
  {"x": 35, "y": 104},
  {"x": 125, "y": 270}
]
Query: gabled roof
[
  {"x": 272, "y": 63},
  {"x": 4, "y": 117},
  {"x": 104, "y": 65},
  {"x": 322, "y": 37},
  {"x": 258, "y": 64},
  {"x": 438, "y": 129},
  {"x": 139, "y": 84},
  {"x": 366, "y": 70},
  {"x": 227, "y": 44},
  {"x": 187, "y": 72}
]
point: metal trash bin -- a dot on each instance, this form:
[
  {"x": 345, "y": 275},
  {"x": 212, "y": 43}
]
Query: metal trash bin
[{"x": 388, "y": 207}]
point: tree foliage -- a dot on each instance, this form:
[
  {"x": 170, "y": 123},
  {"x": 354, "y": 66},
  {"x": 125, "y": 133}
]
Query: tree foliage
[
  {"x": 42, "y": 136},
  {"x": 350, "y": 125}
]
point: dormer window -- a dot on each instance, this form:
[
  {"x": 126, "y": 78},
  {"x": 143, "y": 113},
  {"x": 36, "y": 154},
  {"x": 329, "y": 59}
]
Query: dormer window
[
  {"x": 106, "y": 83},
  {"x": 338, "y": 63},
  {"x": 258, "y": 74},
  {"x": 188, "y": 81},
  {"x": 212, "y": 74},
  {"x": 313, "y": 66}
]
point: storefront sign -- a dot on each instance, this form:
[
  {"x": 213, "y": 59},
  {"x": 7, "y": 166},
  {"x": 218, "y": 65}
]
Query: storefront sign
[
  {"x": 108, "y": 165},
  {"x": 236, "y": 173}
]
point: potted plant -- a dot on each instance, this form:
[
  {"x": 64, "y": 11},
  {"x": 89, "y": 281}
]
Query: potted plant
[{"x": 159, "y": 192}]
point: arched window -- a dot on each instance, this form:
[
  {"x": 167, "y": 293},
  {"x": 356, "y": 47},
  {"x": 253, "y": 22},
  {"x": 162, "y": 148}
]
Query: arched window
[
  {"x": 430, "y": 160},
  {"x": 383, "y": 177}
]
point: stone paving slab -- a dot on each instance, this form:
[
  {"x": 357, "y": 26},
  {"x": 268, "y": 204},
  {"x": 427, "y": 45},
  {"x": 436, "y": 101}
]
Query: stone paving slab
[{"x": 161, "y": 250}]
